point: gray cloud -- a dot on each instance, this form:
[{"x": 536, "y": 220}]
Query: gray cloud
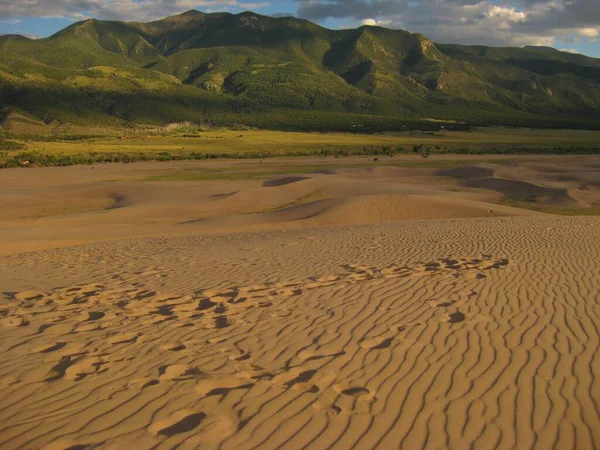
[
  {"x": 509, "y": 22},
  {"x": 358, "y": 9},
  {"x": 115, "y": 9},
  {"x": 489, "y": 22}
]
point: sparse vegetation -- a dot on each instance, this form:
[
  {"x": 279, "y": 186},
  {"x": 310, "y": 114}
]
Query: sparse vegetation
[
  {"x": 10, "y": 145},
  {"x": 187, "y": 144},
  {"x": 550, "y": 209}
]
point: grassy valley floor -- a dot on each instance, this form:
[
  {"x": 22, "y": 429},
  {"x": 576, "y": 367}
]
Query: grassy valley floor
[{"x": 119, "y": 145}]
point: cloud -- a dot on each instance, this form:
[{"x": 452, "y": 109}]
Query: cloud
[
  {"x": 569, "y": 50},
  {"x": 486, "y": 22},
  {"x": 506, "y": 14},
  {"x": 376, "y": 23},
  {"x": 355, "y": 9},
  {"x": 114, "y": 9},
  {"x": 588, "y": 32},
  {"x": 9, "y": 21}
]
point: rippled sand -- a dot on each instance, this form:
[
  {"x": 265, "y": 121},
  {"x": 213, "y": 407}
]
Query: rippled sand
[{"x": 477, "y": 332}]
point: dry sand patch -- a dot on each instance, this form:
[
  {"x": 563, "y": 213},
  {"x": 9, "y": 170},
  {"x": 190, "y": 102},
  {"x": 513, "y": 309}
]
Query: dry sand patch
[
  {"x": 400, "y": 311},
  {"x": 427, "y": 334}
]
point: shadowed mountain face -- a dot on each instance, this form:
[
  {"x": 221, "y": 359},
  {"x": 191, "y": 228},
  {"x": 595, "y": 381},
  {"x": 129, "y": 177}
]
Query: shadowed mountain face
[{"x": 197, "y": 66}]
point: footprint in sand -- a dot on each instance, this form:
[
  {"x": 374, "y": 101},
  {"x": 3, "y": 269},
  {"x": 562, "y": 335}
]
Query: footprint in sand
[
  {"x": 86, "y": 289},
  {"x": 222, "y": 386},
  {"x": 467, "y": 293},
  {"x": 49, "y": 348},
  {"x": 88, "y": 327},
  {"x": 327, "y": 408},
  {"x": 302, "y": 382},
  {"x": 455, "y": 317},
  {"x": 143, "y": 383},
  {"x": 221, "y": 322},
  {"x": 205, "y": 303},
  {"x": 242, "y": 357},
  {"x": 432, "y": 266},
  {"x": 123, "y": 338},
  {"x": 323, "y": 282},
  {"x": 178, "y": 372},
  {"x": 355, "y": 391},
  {"x": 185, "y": 308},
  {"x": 349, "y": 390},
  {"x": 227, "y": 293},
  {"x": 282, "y": 293},
  {"x": 441, "y": 304},
  {"x": 236, "y": 354},
  {"x": 94, "y": 315},
  {"x": 221, "y": 308},
  {"x": 28, "y": 295},
  {"x": 319, "y": 353},
  {"x": 451, "y": 264},
  {"x": 176, "y": 347},
  {"x": 68, "y": 445},
  {"x": 496, "y": 264},
  {"x": 82, "y": 369},
  {"x": 156, "y": 319},
  {"x": 58, "y": 371},
  {"x": 142, "y": 294},
  {"x": 297, "y": 378},
  {"x": 180, "y": 422},
  {"x": 255, "y": 289},
  {"x": 14, "y": 322},
  {"x": 254, "y": 373},
  {"x": 396, "y": 272},
  {"x": 71, "y": 350},
  {"x": 378, "y": 343},
  {"x": 472, "y": 275},
  {"x": 55, "y": 317}
]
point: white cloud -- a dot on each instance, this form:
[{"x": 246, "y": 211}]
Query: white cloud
[
  {"x": 485, "y": 22},
  {"x": 506, "y": 14},
  {"x": 254, "y": 5},
  {"x": 9, "y": 21},
  {"x": 569, "y": 50},
  {"x": 588, "y": 32},
  {"x": 376, "y": 23},
  {"x": 113, "y": 9}
]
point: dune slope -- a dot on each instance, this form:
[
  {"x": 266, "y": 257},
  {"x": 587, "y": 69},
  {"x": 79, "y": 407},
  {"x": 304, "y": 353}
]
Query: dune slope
[{"x": 460, "y": 333}]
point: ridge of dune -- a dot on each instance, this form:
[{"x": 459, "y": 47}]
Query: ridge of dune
[
  {"x": 364, "y": 209},
  {"x": 387, "y": 208}
]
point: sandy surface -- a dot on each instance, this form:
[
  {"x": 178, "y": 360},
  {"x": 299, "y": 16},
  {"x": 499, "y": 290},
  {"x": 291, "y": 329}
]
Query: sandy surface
[
  {"x": 44, "y": 208},
  {"x": 362, "y": 308}
]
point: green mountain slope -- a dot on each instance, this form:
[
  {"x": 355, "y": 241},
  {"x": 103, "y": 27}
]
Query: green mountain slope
[{"x": 248, "y": 68}]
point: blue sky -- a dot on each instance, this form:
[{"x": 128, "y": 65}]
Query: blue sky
[{"x": 572, "y": 25}]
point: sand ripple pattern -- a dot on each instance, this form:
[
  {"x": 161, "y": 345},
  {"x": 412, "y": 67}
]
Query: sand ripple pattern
[{"x": 486, "y": 349}]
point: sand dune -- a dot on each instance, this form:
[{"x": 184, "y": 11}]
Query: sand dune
[
  {"x": 360, "y": 210},
  {"x": 434, "y": 334},
  {"x": 369, "y": 307},
  {"x": 521, "y": 190},
  {"x": 552, "y": 184},
  {"x": 283, "y": 181},
  {"x": 391, "y": 208}
]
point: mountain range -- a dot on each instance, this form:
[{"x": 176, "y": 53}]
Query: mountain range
[{"x": 285, "y": 73}]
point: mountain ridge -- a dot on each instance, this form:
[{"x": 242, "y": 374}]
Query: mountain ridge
[{"x": 200, "y": 66}]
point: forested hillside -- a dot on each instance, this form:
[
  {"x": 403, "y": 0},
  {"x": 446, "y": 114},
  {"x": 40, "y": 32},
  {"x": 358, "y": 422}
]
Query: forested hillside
[{"x": 286, "y": 73}]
